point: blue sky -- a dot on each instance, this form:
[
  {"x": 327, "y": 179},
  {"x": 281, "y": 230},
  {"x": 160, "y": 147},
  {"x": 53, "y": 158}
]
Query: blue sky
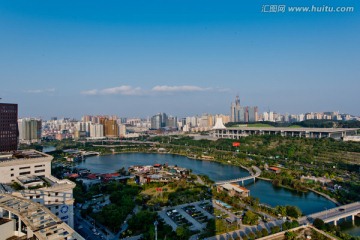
[{"x": 137, "y": 58}]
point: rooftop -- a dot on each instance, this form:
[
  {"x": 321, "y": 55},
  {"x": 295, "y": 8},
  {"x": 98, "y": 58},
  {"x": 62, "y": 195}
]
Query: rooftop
[
  {"x": 234, "y": 186},
  {"x": 23, "y": 155},
  {"x": 4, "y": 220},
  {"x": 43, "y": 223}
]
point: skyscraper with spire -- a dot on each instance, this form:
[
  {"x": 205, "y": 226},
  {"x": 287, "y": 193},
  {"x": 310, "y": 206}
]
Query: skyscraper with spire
[
  {"x": 242, "y": 114},
  {"x": 235, "y": 110}
]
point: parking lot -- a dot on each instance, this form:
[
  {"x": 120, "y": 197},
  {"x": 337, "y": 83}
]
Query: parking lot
[
  {"x": 180, "y": 220},
  {"x": 194, "y": 215}
]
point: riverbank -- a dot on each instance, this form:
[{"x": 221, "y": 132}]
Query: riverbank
[
  {"x": 312, "y": 190},
  {"x": 326, "y": 196},
  {"x": 226, "y": 163}
]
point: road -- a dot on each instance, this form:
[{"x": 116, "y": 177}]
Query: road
[{"x": 86, "y": 228}]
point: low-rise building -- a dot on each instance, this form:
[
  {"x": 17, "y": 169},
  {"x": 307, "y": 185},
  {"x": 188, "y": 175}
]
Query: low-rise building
[
  {"x": 234, "y": 190},
  {"x": 31, "y": 170},
  {"x": 21, "y": 218},
  {"x": 158, "y": 173},
  {"x": 23, "y": 163},
  {"x": 274, "y": 169}
]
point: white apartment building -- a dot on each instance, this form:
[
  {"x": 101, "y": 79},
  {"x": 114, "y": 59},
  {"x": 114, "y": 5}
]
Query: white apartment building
[
  {"x": 32, "y": 171},
  {"x": 29, "y": 130},
  {"x": 122, "y": 130},
  {"x": 96, "y": 131}
]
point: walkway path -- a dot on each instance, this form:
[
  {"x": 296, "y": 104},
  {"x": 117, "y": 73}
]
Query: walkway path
[{"x": 252, "y": 176}]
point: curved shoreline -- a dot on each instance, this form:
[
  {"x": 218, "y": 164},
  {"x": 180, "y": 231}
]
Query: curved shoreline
[
  {"x": 317, "y": 192},
  {"x": 243, "y": 167},
  {"x": 326, "y": 196}
]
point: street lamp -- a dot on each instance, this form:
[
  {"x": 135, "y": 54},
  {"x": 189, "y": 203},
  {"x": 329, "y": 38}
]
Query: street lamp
[
  {"x": 155, "y": 224},
  {"x": 325, "y": 212}
]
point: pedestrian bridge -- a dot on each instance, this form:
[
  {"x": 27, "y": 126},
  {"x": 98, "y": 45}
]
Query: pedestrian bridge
[
  {"x": 243, "y": 179},
  {"x": 335, "y": 214}
]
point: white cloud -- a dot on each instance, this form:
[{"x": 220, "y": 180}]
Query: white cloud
[
  {"x": 123, "y": 90},
  {"x": 184, "y": 88},
  {"x": 90, "y": 92},
  {"x": 120, "y": 90},
  {"x": 159, "y": 89},
  {"x": 40, "y": 90}
]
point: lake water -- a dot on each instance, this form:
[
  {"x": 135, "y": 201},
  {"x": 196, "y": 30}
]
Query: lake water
[
  {"x": 267, "y": 193},
  {"x": 48, "y": 149}
]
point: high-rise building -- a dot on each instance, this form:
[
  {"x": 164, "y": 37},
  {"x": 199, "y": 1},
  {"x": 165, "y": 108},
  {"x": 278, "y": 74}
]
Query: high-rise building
[
  {"x": 171, "y": 122},
  {"x": 96, "y": 130},
  {"x": 29, "y": 130},
  {"x": 122, "y": 130},
  {"x": 242, "y": 114},
  {"x": 111, "y": 128},
  {"x": 159, "y": 121},
  {"x": 235, "y": 110},
  {"x": 8, "y": 127},
  {"x": 253, "y": 114},
  {"x": 156, "y": 121}
]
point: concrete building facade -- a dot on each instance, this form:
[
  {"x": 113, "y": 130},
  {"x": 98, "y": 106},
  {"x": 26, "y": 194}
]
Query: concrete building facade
[{"x": 32, "y": 169}]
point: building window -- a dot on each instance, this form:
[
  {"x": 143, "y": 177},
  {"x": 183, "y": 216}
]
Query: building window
[
  {"x": 24, "y": 167},
  {"x": 12, "y": 175},
  {"x": 39, "y": 171},
  {"x": 24, "y": 173}
]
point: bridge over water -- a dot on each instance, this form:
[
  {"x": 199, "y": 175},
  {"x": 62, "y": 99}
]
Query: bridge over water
[
  {"x": 335, "y": 214},
  {"x": 243, "y": 179}
]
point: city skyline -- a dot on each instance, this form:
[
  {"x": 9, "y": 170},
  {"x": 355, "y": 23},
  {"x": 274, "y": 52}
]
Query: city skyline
[{"x": 136, "y": 59}]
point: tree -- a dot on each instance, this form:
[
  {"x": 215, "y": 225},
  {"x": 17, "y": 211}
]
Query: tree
[
  {"x": 264, "y": 232},
  {"x": 258, "y": 234},
  {"x": 294, "y": 224},
  {"x": 122, "y": 171},
  {"x": 251, "y": 235},
  {"x": 281, "y": 210},
  {"x": 182, "y": 232},
  {"x": 275, "y": 229},
  {"x": 319, "y": 223},
  {"x": 293, "y": 211},
  {"x": 290, "y": 235},
  {"x": 142, "y": 221},
  {"x": 284, "y": 226},
  {"x": 250, "y": 218}
]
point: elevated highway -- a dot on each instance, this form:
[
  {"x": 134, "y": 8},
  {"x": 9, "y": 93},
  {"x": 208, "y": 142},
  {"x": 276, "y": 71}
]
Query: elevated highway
[{"x": 335, "y": 214}]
